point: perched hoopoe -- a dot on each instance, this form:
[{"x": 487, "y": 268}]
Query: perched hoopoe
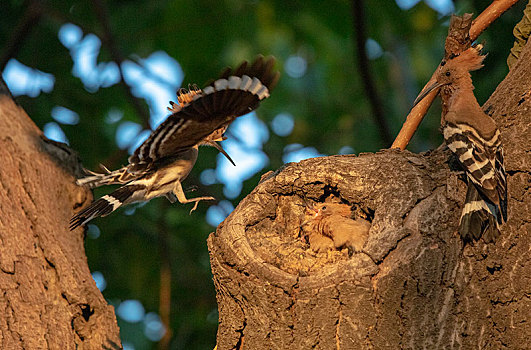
[
  {"x": 166, "y": 158},
  {"x": 329, "y": 225},
  {"x": 474, "y": 138}
]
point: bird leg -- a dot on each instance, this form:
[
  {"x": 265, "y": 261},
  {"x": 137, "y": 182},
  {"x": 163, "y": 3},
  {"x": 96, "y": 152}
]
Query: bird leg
[
  {"x": 171, "y": 197},
  {"x": 179, "y": 193}
]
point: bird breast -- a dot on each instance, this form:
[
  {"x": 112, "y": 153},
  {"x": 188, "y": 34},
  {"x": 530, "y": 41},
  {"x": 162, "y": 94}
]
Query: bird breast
[{"x": 180, "y": 167}]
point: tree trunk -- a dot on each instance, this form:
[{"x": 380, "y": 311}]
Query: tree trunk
[
  {"x": 414, "y": 285},
  {"x": 49, "y": 299}
]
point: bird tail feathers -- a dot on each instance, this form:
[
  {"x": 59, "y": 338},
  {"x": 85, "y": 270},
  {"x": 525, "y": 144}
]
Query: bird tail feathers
[
  {"x": 94, "y": 179},
  {"x": 103, "y": 206},
  {"x": 479, "y": 217}
]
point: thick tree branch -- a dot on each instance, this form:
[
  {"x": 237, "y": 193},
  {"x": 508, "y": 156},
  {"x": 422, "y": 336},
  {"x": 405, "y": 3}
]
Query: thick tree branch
[
  {"x": 358, "y": 20},
  {"x": 48, "y": 298},
  {"x": 417, "y": 113}
]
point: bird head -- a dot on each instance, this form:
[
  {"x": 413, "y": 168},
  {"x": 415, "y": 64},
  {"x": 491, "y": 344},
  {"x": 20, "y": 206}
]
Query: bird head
[
  {"x": 455, "y": 68},
  {"x": 322, "y": 210}
]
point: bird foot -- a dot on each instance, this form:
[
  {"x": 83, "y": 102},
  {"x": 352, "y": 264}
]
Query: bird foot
[{"x": 200, "y": 199}]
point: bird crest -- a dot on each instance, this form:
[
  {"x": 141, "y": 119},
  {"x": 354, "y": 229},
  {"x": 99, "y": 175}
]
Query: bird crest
[
  {"x": 456, "y": 68},
  {"x": 185, "y": 97},
  {"x": 470, "y": 59}
]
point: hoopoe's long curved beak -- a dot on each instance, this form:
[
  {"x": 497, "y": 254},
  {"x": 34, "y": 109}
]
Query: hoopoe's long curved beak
[
  {"x": 426, "y": 91},
  {"x": 310, "y": 211},
  {"x": 220, "y": 149},
  {"x": 307, "y": 204}
]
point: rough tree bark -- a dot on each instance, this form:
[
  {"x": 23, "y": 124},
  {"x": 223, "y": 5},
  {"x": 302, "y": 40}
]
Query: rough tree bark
[
  {"x": 414, "y": 285},
  {"x": 48, "y": 299}
]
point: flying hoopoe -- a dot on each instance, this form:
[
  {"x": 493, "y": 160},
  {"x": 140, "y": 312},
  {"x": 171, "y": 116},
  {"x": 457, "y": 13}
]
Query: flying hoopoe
[
  {"x": 165, "y": 159},
  {"x": 474, "y": 138}
]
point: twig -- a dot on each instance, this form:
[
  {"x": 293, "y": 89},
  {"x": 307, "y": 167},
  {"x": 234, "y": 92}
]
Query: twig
[
  {"x": 22, "y": 30},
  {"x": 358, "y": 19},
  {"x": 108, "y": 39},
  {"x": 414, "y": 118}
]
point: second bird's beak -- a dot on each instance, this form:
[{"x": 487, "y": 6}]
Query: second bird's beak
[
  {"x": 219, "y": 148},
  {"x": 426, "y": 91},
  {"x": 310, "y": 210}
]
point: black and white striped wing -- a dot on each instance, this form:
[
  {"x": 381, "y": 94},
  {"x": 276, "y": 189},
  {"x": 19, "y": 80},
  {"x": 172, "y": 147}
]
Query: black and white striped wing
[
  {"x": 235, "y": 93},
  {"x": 481, "y": 158},
  {"x": 501, "y": 180}
]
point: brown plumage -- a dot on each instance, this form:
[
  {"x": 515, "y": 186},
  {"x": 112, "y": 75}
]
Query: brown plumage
[
  {"x": 475, "y": 140},
  {"x": 329, "y": 226}
]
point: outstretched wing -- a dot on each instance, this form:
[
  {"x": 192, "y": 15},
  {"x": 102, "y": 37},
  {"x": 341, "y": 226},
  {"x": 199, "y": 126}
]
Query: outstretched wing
[{"x": 207, "y": 112}]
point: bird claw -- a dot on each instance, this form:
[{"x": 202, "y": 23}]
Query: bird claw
[
  {"x": 197, "y": 203},
  {"x": 194, "y": 208}
]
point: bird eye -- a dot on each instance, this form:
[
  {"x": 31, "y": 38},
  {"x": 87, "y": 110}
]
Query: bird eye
[
  {"x": 323, "y": 208},
  {"x": 447, "y": 73}
]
